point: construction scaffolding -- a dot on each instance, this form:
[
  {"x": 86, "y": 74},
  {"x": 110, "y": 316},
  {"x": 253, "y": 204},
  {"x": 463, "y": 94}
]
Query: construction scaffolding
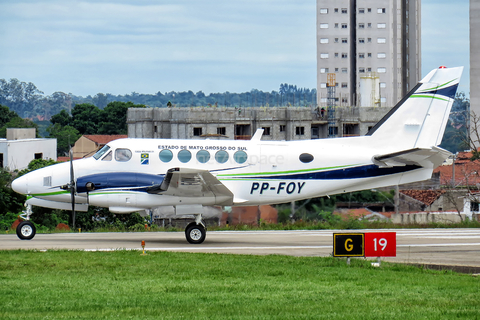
[{"x": 331, "y": 85}]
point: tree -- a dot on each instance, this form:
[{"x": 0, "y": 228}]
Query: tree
[
  {"x": 65, "y": 135},
  {"x": 85, "y": 118},
  {"x": 114, "y": 118},
  {"x": 62, "y": 118}
]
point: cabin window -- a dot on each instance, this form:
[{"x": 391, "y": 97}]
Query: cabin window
[
  {"x": 203, "y": 156},
  {"x": 123, "y": 155},
  {"x": 306, "y": 157},
  {"x": 101, "y": 152},
  {"x": 221, "y": 156},
  {"x": 165, "y": 155},
  {"x": 184, "y": 156},
  {"x": 240, "y": 156},
  {"x": 108, "y": 157}
]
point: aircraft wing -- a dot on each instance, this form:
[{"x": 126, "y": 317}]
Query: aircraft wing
[
  {"x": 415, "y": 156},
  {"x": 184, "y": 182}
]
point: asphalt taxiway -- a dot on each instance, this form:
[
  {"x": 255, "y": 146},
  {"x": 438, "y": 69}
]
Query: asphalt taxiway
[{"x": 459, "y": 247}]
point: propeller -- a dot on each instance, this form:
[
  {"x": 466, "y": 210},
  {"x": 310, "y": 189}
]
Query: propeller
[{"x": 71, "y": 187}]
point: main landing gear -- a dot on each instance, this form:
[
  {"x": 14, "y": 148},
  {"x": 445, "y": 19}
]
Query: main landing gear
[
  {"x": 26, "y": 229},
  {"x": 196, "y": 232}
]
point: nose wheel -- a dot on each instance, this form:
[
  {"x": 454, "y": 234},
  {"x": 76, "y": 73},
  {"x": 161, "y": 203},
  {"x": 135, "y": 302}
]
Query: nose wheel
[{"x": 26, "y": 230}]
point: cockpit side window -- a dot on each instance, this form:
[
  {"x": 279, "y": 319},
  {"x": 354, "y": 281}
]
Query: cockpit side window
[
  {"x": 123, "y": 155},
  {"x": 101, "y": 152},
  {"x": 108, "y": 157}
]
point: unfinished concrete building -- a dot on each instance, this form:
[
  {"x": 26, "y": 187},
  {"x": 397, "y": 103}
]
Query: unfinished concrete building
[{"x": 280, "y": 123}]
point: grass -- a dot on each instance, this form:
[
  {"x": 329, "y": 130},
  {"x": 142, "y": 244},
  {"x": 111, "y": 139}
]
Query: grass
[{"x": 165, "y": 285}]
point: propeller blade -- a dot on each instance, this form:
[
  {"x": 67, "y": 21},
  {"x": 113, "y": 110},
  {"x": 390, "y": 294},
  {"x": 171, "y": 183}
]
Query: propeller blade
[{"x": 72, "y": 188}]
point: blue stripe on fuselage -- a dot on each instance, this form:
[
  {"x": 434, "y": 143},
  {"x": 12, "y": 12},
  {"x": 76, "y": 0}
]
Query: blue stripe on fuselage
[
  {"x": 119, "y": 180},
  {"x": 366, "y": 171}
]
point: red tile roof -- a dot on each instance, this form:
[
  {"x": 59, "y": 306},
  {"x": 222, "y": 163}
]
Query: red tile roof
[
  {"x": 467, "y": 172},
  {"x": 102, "y": 139},
  {"x": 426, "y": 196}
]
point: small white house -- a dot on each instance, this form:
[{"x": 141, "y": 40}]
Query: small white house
[{"x": 21, "y": 147}]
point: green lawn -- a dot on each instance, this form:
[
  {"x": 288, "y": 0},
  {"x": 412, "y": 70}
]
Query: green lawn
[{"x": 124, "y": 284}]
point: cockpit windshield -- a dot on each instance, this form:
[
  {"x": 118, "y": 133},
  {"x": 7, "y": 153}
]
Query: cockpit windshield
[{"x": 101, "y": 152}]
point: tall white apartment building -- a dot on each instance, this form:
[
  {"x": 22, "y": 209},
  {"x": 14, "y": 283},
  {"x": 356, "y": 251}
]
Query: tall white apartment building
[{"x": 372, "y": 47}]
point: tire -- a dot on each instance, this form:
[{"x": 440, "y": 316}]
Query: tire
[
  {"x": 195, "y": 233},
  {"x": 26, "y": 230}
]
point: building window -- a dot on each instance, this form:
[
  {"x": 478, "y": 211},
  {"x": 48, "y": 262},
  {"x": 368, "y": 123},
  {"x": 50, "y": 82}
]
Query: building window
[
  {"x": 38, "y": 155},
  {"x": 369, "y": 25},
  {"x": 336, "y": 54},
  {"x": 197, "y": 132},
  {"x": 361, "y": 55},
  {"x": 323, "y": 55},
  {"x": 369, "y": 9},
  {"x": 361, "y": 40},
  {"x": 369, "y": 54},
  {"x": 266, "y": 131},
  {"x": 344, "y": 70},
  {"x": 336, "y": 69},
  {"x": 344, "y": 85},
  {"x": 381, "y": 25},
  {"x": 361, "y": 70},
  {"x": 299, "y": 131},
  {"x": 283, "y": 127},
  {"x": 381, "y": 10},
  {"x": 344, "y": 10},
  {"x": 369, "y": 40},
  {"x": 383, "y": 84},
  {"x": 344, "y": 100},
  {"x": 381, "y": 40},
  {"x": 1, "y": 160},
  {"x": 381, "y": 70},
  {"x": 336, "y": 40},
  {"x": 323, "y": 70},
  {"x": 324, "y": 40},
  {"x": 383, "y": 100},
  {"x": 336, "y": 25},
  {"x": 323, "y": 10},
  {"x": 323, "y": 25},
  {"x": 361, "y": 10},
  {"x": 221, "y": 130},
  {"x": 323, "y": 85},
  {"x": 335, "y": 10},
  {"x": 474, "y": 206},
  {"x": 344, "y": 55},
  {"x": 344, "y": 40},
  {"x": 369, "y": 69},
  {"x": 361, "y": 26},
  {"x": 344, "y": 26},
  {"x": 381, "y": 55}
]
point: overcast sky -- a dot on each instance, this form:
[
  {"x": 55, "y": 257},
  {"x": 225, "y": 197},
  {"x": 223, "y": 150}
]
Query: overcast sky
[{"x": 120, "y": 46}]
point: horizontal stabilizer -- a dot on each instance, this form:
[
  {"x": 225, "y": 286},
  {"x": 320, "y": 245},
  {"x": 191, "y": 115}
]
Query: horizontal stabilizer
[
  {"x": 184, "y": 182},
  {"x": 415, "y": 156}
]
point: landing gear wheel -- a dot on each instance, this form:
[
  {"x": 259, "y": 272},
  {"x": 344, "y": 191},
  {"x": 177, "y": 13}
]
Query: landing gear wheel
[
  {"x": 195, "y": 233},
  {"x": 26, "y": 230}
]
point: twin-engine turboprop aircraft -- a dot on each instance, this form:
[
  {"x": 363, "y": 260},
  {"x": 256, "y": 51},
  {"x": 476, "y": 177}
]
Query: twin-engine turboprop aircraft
[{"x": 129, "y": 175}]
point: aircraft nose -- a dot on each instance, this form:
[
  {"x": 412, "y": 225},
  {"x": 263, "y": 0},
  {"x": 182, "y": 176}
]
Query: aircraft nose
[{"x": 20, "y": 185}]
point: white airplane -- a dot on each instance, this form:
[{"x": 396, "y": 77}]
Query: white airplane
[{"x": 129, "y": 175}]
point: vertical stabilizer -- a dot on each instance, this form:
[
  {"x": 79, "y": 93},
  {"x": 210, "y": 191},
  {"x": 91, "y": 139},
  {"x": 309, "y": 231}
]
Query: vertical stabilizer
[{"x": 420, "y": 118}]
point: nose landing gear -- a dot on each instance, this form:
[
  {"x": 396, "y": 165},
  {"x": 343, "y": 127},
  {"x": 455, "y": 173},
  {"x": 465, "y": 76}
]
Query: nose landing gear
[{"x": 26, "y": 229}]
